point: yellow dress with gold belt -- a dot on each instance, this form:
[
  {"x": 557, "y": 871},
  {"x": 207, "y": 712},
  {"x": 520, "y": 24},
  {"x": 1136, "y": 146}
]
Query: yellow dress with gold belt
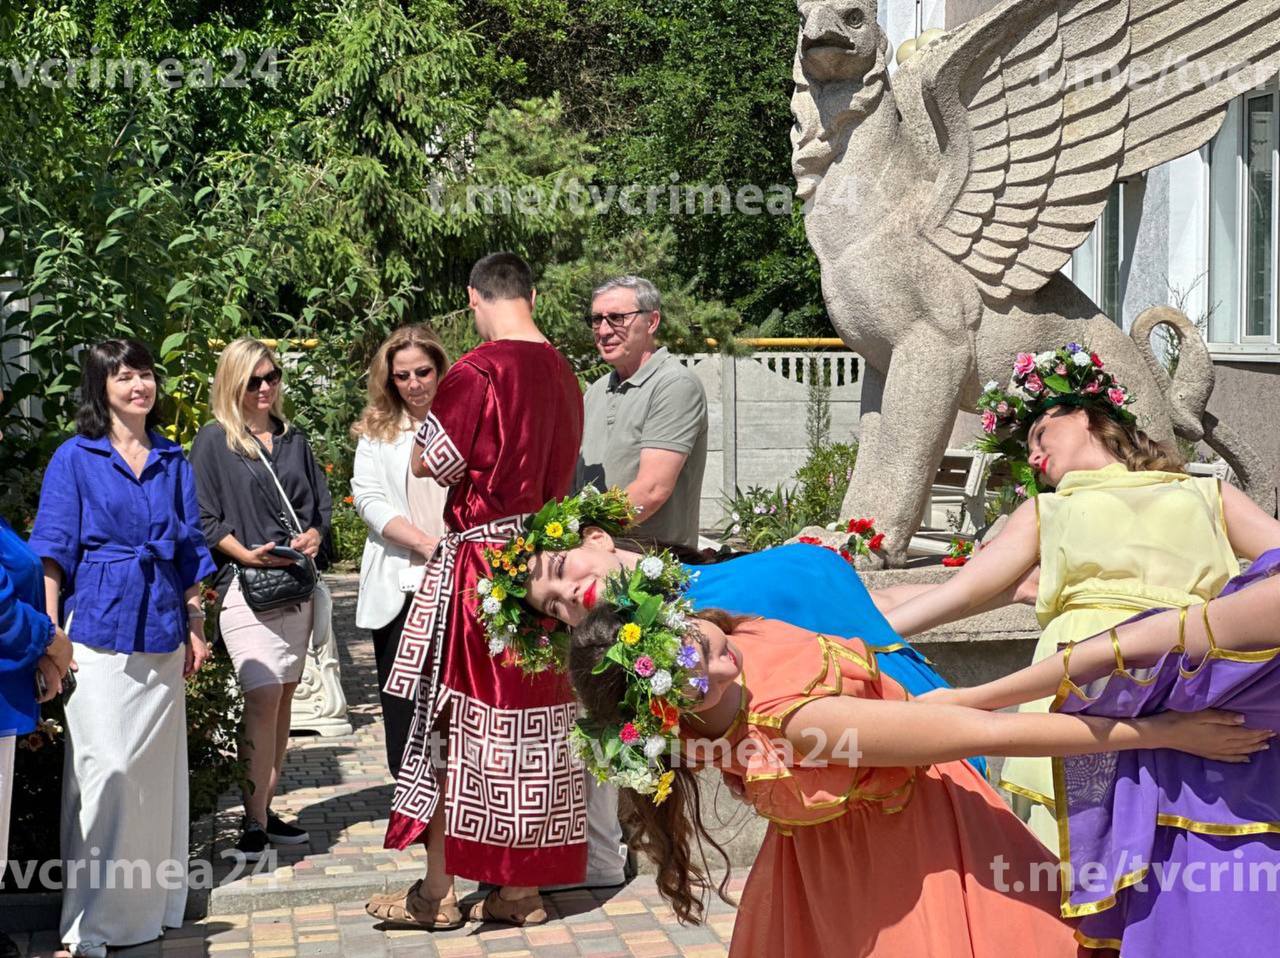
[{"x": 1114, "y": 543}]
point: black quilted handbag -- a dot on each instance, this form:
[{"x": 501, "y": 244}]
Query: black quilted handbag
[{"x": 279, "y": 587}]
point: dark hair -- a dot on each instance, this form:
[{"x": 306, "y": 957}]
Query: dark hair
[
  {"x": 101, "y": 362},
  {"x": 671, "y": 833},
  {"x": 502, "y": 276}
]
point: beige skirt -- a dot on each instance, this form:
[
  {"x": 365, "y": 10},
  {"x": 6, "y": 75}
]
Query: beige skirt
[{"x": 268, "y": 648}]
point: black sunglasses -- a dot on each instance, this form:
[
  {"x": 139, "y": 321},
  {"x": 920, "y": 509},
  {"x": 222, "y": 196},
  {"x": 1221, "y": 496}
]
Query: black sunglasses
[
  {"x": 255, "y": 382},
  {"x": 423, "y": 372},
  {"x": 616, "y": 321}
]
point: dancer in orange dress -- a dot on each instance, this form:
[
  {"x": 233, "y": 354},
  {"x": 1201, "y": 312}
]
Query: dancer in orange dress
[{"x": 882, "y": 841}]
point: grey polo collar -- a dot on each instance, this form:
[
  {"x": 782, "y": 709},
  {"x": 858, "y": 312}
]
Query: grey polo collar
[{"x": 641, "y": 375}]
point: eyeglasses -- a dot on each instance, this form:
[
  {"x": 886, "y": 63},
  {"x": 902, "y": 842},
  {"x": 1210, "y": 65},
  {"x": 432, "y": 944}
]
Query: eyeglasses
[
  {"x": 425, "y": 372},
  {"x": 255, "y": 382},
  {"x": 616, "y": 321}
]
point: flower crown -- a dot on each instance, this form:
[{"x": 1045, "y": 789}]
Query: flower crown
[
  {"x": 658, "y": 650},
  {"x": 537, "y": 643},
  {"x": 1069, "y": 376}
]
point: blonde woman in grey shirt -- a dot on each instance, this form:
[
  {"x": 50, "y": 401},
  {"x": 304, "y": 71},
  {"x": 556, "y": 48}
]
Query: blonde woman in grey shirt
[{"x": 404, "y": 513}]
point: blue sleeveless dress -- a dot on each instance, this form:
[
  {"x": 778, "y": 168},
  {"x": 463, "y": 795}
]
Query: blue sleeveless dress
[{"x": 815, "y": 589}]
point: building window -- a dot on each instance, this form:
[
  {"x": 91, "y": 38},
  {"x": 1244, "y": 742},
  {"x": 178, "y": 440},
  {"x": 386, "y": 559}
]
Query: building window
[
  {"x": 1243, "y": 160},
  {"x": 1095, "y": 265}
]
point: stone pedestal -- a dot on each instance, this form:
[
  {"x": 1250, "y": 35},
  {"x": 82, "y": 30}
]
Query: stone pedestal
[{"x": 319, "y": 704}]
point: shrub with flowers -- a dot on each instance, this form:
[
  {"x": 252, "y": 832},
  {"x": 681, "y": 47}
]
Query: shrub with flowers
[
  {"x": 537, "y": 643},
  {"x": 1070, "y": 376},
  {"x": 659, "y": 650}
]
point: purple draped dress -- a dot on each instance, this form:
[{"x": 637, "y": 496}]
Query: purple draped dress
[{"x": 1165, "y": 853}]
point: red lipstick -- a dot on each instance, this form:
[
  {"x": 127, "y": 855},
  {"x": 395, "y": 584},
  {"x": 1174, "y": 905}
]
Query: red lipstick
[{"x": 589, "y": 597}]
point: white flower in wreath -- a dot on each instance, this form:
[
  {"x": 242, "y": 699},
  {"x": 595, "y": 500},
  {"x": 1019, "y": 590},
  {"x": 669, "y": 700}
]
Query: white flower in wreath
[
  {"x": 484, "y": 586},
  {"x": 497, "y": 645},
  {"x": 1047, "y": 357},
  {"x": 1081, "y": 359},
  {"x": 574, "y": 525},
  {"x": 660, "y": 684},
  {"x": 491, "y": 606},
  {"x": 651, "y": 566},
  {"x": 654, "y": 746},
  {"x": 674, "y": 619},
  {"x": 990, "y": 386}
]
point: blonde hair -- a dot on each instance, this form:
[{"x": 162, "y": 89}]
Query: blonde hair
[
  {"x": 235, "y": 366},
  {"x": 384, "y": 413},
  {"x": 1138, "y": 451}
]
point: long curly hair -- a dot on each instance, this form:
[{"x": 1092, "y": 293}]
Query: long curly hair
[
  {"x": 384, "y": 412},
  {"x": 672, "y": 834}
]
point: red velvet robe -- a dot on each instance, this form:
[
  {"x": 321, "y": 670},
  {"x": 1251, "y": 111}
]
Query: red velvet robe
[{"x": 504, "y": 433}]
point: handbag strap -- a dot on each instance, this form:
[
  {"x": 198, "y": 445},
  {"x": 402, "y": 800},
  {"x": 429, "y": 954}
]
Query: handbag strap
[{"x": 266, "y": 461}]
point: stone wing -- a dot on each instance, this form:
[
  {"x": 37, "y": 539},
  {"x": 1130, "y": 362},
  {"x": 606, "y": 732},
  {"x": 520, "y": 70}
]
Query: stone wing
[{"x": 1032, "y": 111}]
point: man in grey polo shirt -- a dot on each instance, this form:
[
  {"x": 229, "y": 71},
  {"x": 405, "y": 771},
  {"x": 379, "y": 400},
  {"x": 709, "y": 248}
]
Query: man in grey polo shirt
[
  {"x": 645, "y": 426},
  {"x": 645, "y": 430}
]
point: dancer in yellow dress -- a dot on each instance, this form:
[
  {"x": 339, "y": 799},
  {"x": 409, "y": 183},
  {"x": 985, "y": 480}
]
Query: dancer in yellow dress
[{"x": 1124, "y": 531}]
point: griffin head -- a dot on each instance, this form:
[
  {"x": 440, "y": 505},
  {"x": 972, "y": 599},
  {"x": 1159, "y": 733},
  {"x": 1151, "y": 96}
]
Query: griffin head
[{"x": 839, "y": 39}]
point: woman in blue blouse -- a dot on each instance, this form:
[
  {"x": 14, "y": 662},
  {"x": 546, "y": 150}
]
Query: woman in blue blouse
[
  {"x": 29, "y": 643},
  {"x": 118, "y": 530}
]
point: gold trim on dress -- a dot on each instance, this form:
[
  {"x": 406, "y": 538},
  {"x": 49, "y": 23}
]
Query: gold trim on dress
[{"x": 1029, "y": 794}]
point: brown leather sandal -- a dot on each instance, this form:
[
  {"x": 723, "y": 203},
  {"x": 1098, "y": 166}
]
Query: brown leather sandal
[
  {"x": 411, "y": 909},
  {"x": 524, "y": 911}
]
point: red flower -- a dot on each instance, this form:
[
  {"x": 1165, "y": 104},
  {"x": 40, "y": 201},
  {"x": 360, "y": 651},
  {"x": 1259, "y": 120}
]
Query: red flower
[
  {"x": 859, "y": 526},
  {"x": 348, "y": 499},
  {"x": 549, "y": 624},
  {"x": 810, "y": 540},
  {"x": 666, "y": 712},
  {"x": 877, "y": 541},
  {"x": 328, "y": 467},
  {"x": 1097, "y": 360},
  {"x": 952, "y": 562},
  {"x": 629, "y": 735}
]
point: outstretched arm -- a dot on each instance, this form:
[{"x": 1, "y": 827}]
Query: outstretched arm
[
  {"x": 1242, "y": 622},
  {"x": 995, "y": 570},
  {"x": 872, "y": 733},
  {"x": 1251, "y": 531}
]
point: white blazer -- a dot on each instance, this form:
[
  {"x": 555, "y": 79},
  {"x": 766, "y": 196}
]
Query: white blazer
[{"x": 378, "y": 488}]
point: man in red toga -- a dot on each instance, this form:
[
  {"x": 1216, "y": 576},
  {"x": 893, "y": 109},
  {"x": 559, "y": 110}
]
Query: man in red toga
[{"x": 503, "y": 435}]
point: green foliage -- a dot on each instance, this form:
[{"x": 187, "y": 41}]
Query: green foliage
[
  {"x": 349, "y": 534},
  {"x": 214, "y": 709},
  {"x": 822, "y": 482},
  {"x": 761, "y": 518}
]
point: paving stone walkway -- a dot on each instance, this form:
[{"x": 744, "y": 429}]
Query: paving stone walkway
[{"x": 310, "y": 901}]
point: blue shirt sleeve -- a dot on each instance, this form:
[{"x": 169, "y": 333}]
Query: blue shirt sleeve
[
  {"x": 194, "y": 561},
  {"x": 56, "y": 534},
  {"x": 24, "y": 631}
]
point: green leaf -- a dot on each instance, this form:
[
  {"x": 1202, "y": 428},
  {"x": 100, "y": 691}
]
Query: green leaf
[
  {"x": 182, "y": 240},
  {"x": 1058, "y": 384},
  {"x": 118, "y": 214},
  {"x": 647, "y": 612},
  {"x": 171, "y": 343},
  {"x": 178, "y": 289},
  {"x": 108, "y": 241}
]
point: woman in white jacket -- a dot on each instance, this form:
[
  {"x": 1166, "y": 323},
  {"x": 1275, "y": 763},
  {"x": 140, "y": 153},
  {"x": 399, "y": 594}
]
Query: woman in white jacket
[{"x": 405, "y": 514}]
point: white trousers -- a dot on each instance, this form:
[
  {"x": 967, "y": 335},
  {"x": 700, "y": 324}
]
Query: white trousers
[
  {"x": 124, "y": 799},
  {"x": 7, "y": 750}
]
